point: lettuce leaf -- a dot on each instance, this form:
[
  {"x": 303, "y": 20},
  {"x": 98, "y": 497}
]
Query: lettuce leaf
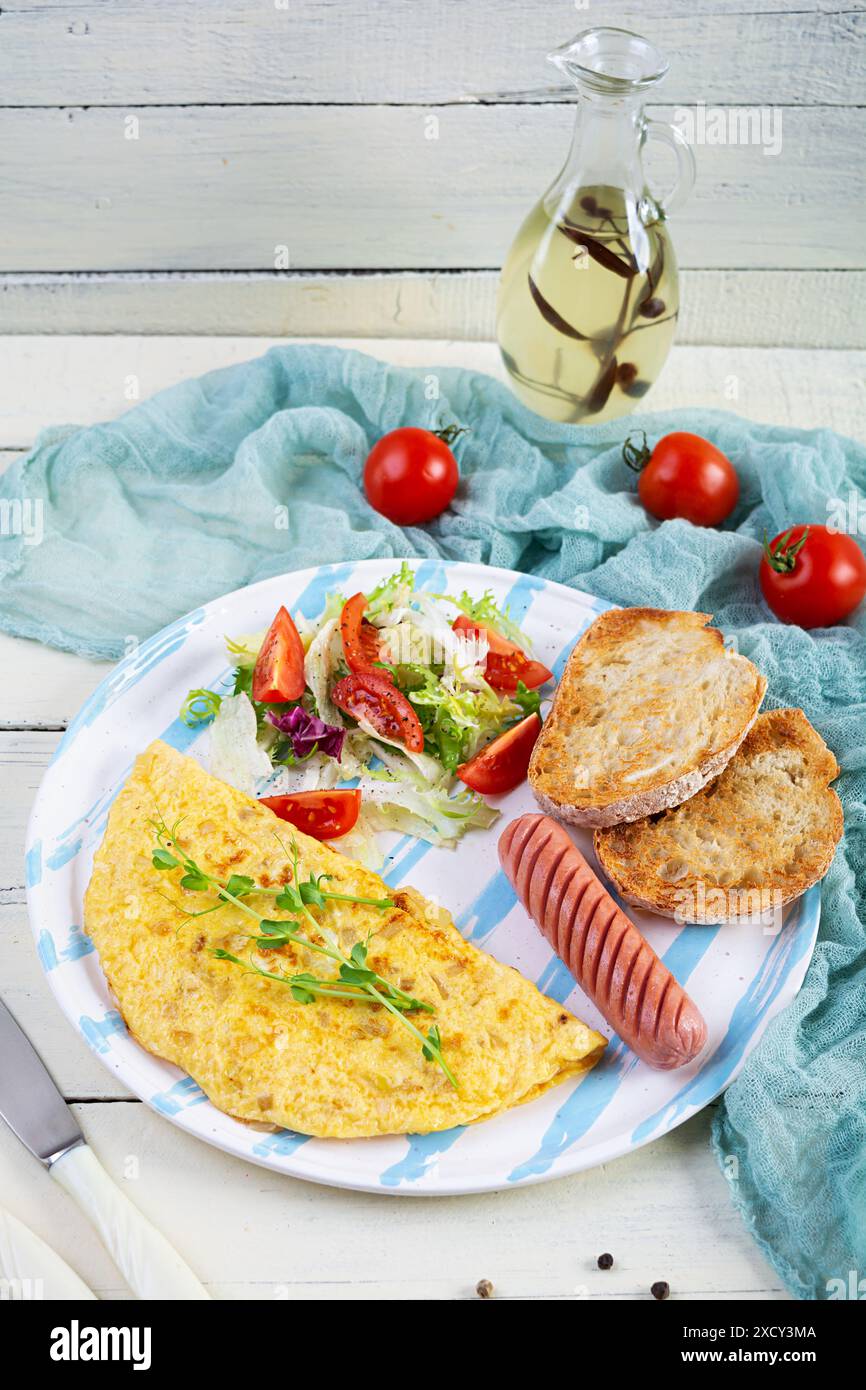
[
  {"x": 244, "y": 651},
  {"x": 486, "y": 610},
  {"x": 323, "y": 660},
  {"x": 394, "y": 592},
  {"x": 235, "y": 755},
  {"x": 430, "y": 815},
  {"x": 308, "y": 629}
]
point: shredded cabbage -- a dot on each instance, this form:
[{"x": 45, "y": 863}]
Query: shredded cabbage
[
  {"x": 423, "y": 635},
  {"x": 427, "y": 766},
  {"x": 430, "y": 815},
  {"x": 310, "y": 628},
  {"x": 307, "y": 734},
  {"x": 200, "y": 707},
  {"x": 236, "y": 756},
  {"x": 324, "y": 655},
  {"x": 244, "y": 651},
  {"x": 360, "y": 843}
]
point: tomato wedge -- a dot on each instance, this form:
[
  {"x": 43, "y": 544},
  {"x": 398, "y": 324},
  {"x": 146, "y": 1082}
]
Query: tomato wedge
[
  {"x": 370, "y": 695},
  {"x": 360, "y": 638},
  {"x": 502, "y": 765},
  {"x": 506, "y": 663},
  {"x": 279, "y": 669},
  {"x": 324, "y": 815}
]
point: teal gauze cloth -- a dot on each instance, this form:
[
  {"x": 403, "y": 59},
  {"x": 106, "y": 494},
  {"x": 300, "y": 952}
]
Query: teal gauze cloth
[{"x": 255, "y": 469}]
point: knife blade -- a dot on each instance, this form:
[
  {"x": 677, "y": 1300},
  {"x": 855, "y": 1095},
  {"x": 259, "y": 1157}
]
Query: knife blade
[
  {"x": 35, "y": 1111},
  {"x": 30, "y": 1103}
]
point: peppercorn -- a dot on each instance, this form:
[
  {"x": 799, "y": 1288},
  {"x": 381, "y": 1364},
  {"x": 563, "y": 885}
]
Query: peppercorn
[
  {"x": 484, "y": 1288},
  {"x": 605, "y": 1261},
  {"x": 660, "y": 1289}
]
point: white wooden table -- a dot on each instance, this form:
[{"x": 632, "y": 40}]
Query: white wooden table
[{"x": 664, "y": 1212}]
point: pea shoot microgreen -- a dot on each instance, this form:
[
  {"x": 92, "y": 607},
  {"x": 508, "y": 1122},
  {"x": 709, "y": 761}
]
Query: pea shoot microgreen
[{"x": 355, "y": 980}]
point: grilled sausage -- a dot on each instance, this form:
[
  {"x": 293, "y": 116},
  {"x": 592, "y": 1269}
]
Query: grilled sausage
[{"x": 602, "y": 948}]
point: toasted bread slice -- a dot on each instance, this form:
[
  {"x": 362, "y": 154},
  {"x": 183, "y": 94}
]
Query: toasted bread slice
[
  {"x": 651, "y": 706},
  {"x": 752, "y": 840}
]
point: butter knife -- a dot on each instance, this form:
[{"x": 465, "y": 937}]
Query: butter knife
[{"x": 35, "y": 1111}]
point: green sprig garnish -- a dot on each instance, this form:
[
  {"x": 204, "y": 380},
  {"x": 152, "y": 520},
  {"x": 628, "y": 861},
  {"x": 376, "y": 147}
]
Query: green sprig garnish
[{"x": 355, "y": 980}]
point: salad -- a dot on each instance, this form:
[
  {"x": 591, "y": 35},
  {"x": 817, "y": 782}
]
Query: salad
[{"x": 393, "y": 710}]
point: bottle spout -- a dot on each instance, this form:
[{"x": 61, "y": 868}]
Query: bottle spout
[
  {"x": 560, "y": 59},
  {"x": 610, "y": 60}
]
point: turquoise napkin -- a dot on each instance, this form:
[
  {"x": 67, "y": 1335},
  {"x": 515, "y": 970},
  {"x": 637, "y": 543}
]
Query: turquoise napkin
[{"x": 254, "y": 470}]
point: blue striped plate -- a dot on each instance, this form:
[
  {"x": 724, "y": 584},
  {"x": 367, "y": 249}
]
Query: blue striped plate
[{"x": 739, "y": 975}]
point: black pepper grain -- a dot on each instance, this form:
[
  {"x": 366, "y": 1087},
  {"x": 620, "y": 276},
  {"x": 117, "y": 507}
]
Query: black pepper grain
[
  {"x": 660, "y": 1289},
  {"x": 605, "y": 1261}
]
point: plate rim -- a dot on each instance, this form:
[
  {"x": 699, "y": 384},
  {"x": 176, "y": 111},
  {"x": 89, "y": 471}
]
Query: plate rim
[{"x": 577, "y": 1159}]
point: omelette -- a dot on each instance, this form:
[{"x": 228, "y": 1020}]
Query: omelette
[{"x": 331, "y": 1065}]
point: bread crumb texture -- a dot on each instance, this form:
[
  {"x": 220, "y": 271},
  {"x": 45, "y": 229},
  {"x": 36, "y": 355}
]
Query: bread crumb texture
[
  {"x": 769, "y": 821},
  {"x": 650, "y": 699}
]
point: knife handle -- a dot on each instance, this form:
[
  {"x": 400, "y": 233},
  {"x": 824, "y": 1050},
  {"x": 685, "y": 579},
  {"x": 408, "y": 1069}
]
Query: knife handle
[{"x": 149, "y": 1264}]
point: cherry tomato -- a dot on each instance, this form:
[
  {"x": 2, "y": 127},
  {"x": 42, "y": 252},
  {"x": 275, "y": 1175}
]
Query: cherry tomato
[
  {"x": 279, "y": 669},
  {"x": 360, "y": 638},
  {"x": 324, "y": 815},
  {"x": 506, "y": 664},
  {"x": 684, "y": 476},
  {"x": 370, "y": 695},
  {"x": 813, "y": 576},
  {"x": 411, "y": 475},
  {"x": 502, "y": 765}
]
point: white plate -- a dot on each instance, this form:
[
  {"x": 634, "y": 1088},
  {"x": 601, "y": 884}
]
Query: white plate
[{"x": 740, "y": 976}]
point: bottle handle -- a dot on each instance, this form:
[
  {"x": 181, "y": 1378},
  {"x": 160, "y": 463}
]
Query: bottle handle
[{"x": 673, "y": 137}]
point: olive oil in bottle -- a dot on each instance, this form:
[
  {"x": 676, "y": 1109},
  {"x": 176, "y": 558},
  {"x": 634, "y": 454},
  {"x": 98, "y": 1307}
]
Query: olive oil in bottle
[
  {"x": 589, "y": 297},
  {"x": 587, "y": 307}
]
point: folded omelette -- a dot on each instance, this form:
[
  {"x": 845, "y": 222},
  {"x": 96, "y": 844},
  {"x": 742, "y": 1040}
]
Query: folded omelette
[{"x": 333, "y": 1067}]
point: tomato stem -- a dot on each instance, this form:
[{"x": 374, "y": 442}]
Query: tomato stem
[
  {"x": 636, "y": 457},
  {"x": 783, "y": 557},
  {"x": 451, "y": 432}
]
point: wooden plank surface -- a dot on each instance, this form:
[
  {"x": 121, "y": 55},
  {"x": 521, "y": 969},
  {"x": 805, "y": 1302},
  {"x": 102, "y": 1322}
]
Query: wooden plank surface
[
  {"x": 24, "y": 988},
  {"x": 91, "y": 378},
  {"x": 752, "y": 308},
  {"x": 181, "y": 51},
  {"x": 335, "y": 187},
  {"x": 664, "y": 1213}
]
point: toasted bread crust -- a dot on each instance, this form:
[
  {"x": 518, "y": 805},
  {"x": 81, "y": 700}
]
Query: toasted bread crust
[
  {"x": 764, "y": 832},
  {"x": 654, "y": 704}
]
